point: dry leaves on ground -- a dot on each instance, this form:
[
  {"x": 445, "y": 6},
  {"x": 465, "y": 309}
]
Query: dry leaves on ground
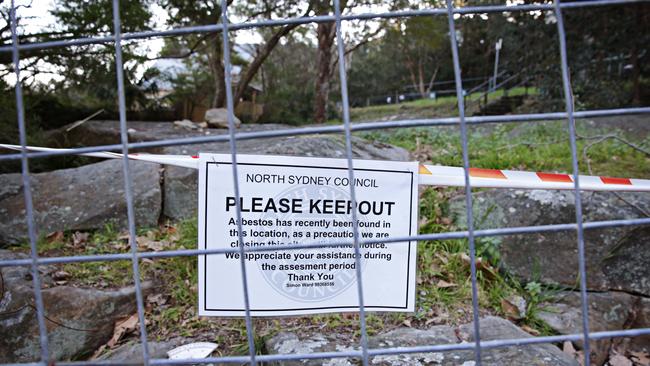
[
  {"x": 53, "y": 237},
  {"x": 640, "y": 358},
  {"x": 122, "y": 328},
  {"x": 620, "y": 360},
  {"x": 530, "y": 330},
  {"x": 514, "y": 307},
  {"x": 445, "y": 284},
  {"x": 79, "y": 238},
  {"x": 482, "y": 265}
]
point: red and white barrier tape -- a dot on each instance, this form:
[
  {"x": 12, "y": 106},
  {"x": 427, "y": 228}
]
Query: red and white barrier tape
[
  {"x": 494, "y": 178},
  {"x": 430, "y": 174}
]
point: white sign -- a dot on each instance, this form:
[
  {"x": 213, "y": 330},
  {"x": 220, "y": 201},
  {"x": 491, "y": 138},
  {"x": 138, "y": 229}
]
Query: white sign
[{"x": 289, "y": 201}]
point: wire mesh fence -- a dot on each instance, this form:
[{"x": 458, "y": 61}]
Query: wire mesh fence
[{"x": 225, "y": 27}]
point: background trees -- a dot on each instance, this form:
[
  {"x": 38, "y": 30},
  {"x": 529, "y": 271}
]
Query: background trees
[{"x": 296, "y": 65}]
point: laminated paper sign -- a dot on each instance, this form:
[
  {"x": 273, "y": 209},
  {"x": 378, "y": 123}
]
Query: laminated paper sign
[{"x": 291, "y": 200}]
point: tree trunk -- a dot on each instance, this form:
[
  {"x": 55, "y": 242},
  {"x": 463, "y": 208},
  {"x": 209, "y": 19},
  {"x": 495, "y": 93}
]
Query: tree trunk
[
  {"x": 634, "y": 59},
  {"x": 218, "y": 74},
  {"x": 431, "y": 81},
  {"x": 410, "y": 66},
  {"x": 421, "y": 87},
  {"x": 325, "y": 33},
  {"x": 254, "y": 66}
]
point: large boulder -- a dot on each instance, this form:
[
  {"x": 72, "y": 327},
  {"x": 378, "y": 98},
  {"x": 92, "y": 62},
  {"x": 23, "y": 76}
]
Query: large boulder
[
  {"x": 88, "y": 197},
  {"x": 492, "y": 328},
  {"x": 93, "y": 133},
  {"x": 78, "y": 320},
  {"x": 616, "y": 257},
  {"x": 218, "y": 118},
  {"x": 607, "y": 311}
]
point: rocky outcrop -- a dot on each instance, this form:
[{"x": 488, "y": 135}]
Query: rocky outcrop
[
  {"x": 83, "y": 198},
  {"x": 491, "y": 328},
  {"x": 131, "y": 352},
  {"x": 616, "y": 257},
  {"x": 607, "y": 311},
  {"x": 78, "y": 320},
  {"x": 91, "y": 196}
]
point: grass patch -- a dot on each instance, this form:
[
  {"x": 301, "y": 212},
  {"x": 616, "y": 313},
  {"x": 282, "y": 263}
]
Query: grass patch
[
  {"x": 531, "y": 146},
  {"x": 421, "y": 108}
]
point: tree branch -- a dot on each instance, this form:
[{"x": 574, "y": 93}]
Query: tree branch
[
  {"x": 195, "y": 48},
  {"x": 367, "y": 39},
  {"x": 252, "y": 69}
]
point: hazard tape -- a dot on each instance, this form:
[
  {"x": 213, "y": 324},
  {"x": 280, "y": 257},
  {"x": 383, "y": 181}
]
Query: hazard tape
[
  {"x": 495, "y": 178},
  {"x": 433, "y": 175},
  {"x": 177, "y": 160}
]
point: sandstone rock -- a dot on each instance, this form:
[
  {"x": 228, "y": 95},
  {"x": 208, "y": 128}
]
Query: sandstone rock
[
  {"x": 218, "y": 118},
  {"x": 81, "y": 198},
  {"x": 108, "y": 132},
  {"x": 131, "y": 352},
  {"x": 607, "y": 311},
  {"x": 180, "y": 186},
  {"x": 491, "y": 328},
  {"x": 288, "y": 343},
  {"x": 79, "y": 320},
  {"x": 615, "y": 256}
]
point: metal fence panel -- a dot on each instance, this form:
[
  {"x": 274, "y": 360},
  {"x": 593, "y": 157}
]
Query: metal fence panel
[{"x": 346, "y": 128}]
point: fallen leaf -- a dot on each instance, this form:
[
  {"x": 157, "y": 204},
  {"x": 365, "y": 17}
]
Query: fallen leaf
[
  {"x": 445, "y": 284},
  {"x": 620, "y": 360},
  {"x": 481, "y": 265},
  {"x": 530, "y": 330},
  {"x": 119, "y": 246},
  {"x": 123, "y": 328},
  {"x": 60, "y": 275},
  {"x": 157, "y": 299},
  {"x": 514, "y": 307},
  {"x": 642, "y": 358},
  {"x": 53, "y": 237},
  {"x": 146, "y": 242},
  {"x": 568, "y": 348},
  {"x": 442, "y": 258},
  {"x": 407, "y": 322},
  {"x": 156, "y": 246},
  {"x": 151, "y": 234},
  {"x": 79, "y": 238}
]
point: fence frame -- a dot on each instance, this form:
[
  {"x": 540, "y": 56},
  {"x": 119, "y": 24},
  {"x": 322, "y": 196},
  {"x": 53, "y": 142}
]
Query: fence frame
[{"x": 117, "y": 38}]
